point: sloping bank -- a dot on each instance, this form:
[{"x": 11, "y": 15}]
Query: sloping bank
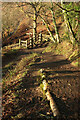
[{"x": 65, "y": 48}]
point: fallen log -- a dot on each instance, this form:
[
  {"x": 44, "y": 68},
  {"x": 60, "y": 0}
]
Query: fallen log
[{"x": 53, "y": 105}]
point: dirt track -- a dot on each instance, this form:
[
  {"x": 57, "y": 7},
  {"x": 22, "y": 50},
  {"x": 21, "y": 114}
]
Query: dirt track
[{"x": 64, "y": 87}]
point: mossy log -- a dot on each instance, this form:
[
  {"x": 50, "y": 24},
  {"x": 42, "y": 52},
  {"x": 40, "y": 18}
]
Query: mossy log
[{"x": 53, "y": 105}]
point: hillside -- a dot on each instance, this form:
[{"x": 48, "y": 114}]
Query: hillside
[{"x": 19, "y": 26}]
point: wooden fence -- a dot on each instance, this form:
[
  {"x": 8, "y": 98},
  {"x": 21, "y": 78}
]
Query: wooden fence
[{"x": 29, "y": 42}]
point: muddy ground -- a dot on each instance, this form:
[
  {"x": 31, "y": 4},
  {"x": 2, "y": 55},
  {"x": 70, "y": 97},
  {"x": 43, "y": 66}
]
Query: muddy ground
[{"x": 30, "y": 103}]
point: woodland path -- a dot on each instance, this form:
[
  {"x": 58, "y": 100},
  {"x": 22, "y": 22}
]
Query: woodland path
[{"x": 64, "y": 86}]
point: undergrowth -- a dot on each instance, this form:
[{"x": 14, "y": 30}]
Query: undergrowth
[
  {"x": 16, "y": 70},
  {"x": 14, "y": 76}
]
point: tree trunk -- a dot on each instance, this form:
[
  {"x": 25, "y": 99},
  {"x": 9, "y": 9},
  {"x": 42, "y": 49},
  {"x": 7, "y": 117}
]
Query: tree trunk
[
  {"x": 54, "y": 22},
  {"x": 68, "y": 25},
  {"x": 34, "y": 25},
  {"x": 52, "y": 37}
]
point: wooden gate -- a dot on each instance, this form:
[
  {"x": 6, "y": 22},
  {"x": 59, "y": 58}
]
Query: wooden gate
[{"x": 29, "y": 43}]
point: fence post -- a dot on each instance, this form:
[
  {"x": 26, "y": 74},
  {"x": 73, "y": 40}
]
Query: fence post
[
  {"x": 40, "y": 38},
  {"x": 31, "y": 40},
  {"x": 19, "y": 42}
]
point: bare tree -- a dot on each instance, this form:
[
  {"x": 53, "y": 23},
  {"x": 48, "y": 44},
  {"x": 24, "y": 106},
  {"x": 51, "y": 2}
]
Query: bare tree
[
  {"x": 68, "y": 24},
  {"x": 33, "y": 14},
  {"x": 54, "y": 22},
  {"x": 10, "y": 18},
  {"x": 44, "y": 17}
]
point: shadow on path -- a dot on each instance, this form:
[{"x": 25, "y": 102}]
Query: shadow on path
[
  {"x": 51, "y": 64},
  {"x": 16, "y": 54}
]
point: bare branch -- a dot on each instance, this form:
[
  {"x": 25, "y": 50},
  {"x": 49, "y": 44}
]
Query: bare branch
[
  {"x": 20, "y": 5},
  {"x": 66, "y": 9},
  {"x": 41, "y": 6}
]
